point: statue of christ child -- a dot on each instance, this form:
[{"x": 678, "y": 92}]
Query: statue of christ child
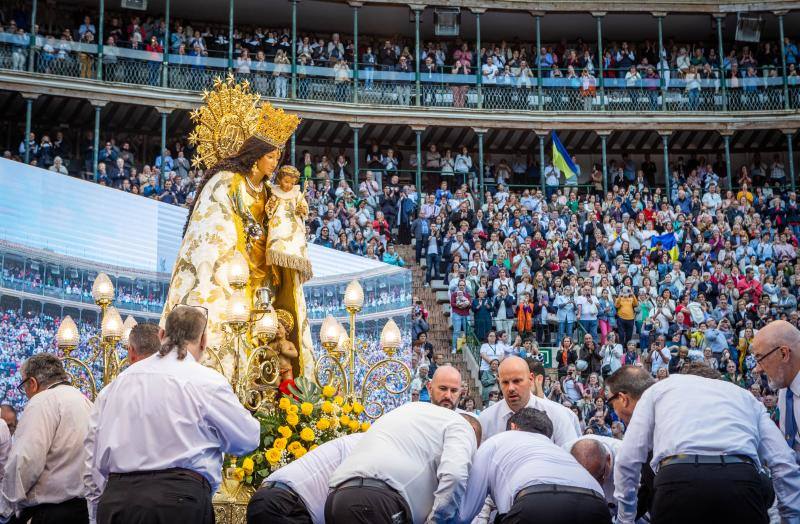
[{"x": 285, "y": 350}]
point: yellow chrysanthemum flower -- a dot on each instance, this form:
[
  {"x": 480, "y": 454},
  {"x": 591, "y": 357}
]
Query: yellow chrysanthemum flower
[
  {"x": 338, "y": 400},
  {"x": 365, "y": 426},
  {"x": 292, "y": 419},
  {"x": 307, "y": 434},
  {"x": 293, "y": 409},
  {"x": 327, "y": 407},
  {"x": 347, "y": 409},
  {"x": 285, "y": 431},
  {"x": 353, "y": 425},
  {"x": 238, "y": 474},
  {"x": 284, "y": 403},
  {"x": 273, "y": 455},
  {"x": 299, "y": 451},
  {"x": 306, "y": 408},
  {"x": 248, "y": 465},
  {"x": 328, "y": 391},
  {"x": 313, "y": 447},
  {"x": 280, "y": 443},
  {"x": 323, "y": 424},
  {"x": 294, "y": 445},
  {"x": 358, "y": 408},
  {"x": 344, "y": 420}
]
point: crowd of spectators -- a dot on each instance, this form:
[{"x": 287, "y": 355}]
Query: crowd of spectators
[
  {"x": 507, "y": 62},
  {"x": 25, "y": 334},
  {"x": 588, "y": 275}
]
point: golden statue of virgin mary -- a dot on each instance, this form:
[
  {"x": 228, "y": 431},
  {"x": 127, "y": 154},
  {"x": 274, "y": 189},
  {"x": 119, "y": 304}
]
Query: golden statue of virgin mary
[{"x": 240, "y": 142}]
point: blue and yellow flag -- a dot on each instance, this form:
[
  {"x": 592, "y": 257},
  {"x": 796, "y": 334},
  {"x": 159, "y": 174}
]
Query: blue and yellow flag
[
  {"x": 668, "y": 243},
  {"x": 561, "y": 158}
]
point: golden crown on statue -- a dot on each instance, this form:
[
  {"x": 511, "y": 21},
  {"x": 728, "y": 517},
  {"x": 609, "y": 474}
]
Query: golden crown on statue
[{"x": 275, "y": 127}]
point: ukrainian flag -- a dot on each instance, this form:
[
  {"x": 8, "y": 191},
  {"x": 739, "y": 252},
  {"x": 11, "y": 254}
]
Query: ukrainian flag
[
  {"x": 668, "y": 242},
  {"x": 561, "y": 158}
]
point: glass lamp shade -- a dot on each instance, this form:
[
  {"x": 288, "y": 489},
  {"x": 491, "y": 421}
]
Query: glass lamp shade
[
  {"x": 238, "y": 270},
  {"x": 266, "y": 326},
  {"x": 102, "y": 289},
  {"x": 343, "y": 343},
  {"x": 329, "y": 332},
  {"x": 238, "y": 309},
  {"x": 354, "y": 296},
  {"x": 390, "y": 337},
  {"x": 112, "y": 324},
  {"x": 67, "y": 335},
  {"x": 127, "y": 326}
]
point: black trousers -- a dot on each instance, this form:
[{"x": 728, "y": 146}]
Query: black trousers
[
  {"x": 558, "y": 508},
  {"x": 165, "y": 497},
  {"x": 366, "y": 505},
  {"x": 73, "y": 511},
  {"x": 709, "y": 493},
  {"x": 277, "y": 506}
]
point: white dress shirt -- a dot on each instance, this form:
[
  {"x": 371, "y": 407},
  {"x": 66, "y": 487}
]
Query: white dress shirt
[
  {"x": 512, "y": 460},
  {"x": 612, "y": 445},
  {"x": 686, "y": 414},
  {"x": 5, "y": 447},
  {"x": 308, "y": 476},
  {"x": 45, "y": 464},
  {"x": 422, "y": 451},
  {"x": 795, "y": 385},
  {"x": 164, "y": 413},
  {"x": 565, "y": 424}
]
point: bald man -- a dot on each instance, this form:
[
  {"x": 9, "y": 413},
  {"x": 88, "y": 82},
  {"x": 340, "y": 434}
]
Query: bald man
[
  {"x": 596, "y": 454},
  {"x": 445, "y": 387},
  {"x": 776, "y": 348},
  {"x": 516, "y": 380}
]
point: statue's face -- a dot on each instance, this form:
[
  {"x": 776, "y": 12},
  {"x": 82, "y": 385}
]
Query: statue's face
[{"x": 267, "y": 163}]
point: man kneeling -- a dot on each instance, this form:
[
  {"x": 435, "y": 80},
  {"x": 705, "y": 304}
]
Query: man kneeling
[{"x": 531, "y": 479}]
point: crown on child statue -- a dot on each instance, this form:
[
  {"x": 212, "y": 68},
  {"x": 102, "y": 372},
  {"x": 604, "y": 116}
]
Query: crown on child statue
[
  {"x": 275, "y": 126},
  {"x": 230, "y": 114}
]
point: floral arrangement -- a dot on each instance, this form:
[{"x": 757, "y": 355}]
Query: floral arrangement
[{"x": 305, "y": 416}]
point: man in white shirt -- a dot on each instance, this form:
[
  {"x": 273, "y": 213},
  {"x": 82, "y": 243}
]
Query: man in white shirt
[
  {"x": 531, "y": 479},
  {"x": 9, "y": 414},
  {"x": 596, "y": 454},
  {"x": 42, "y": 480},
  {"x": 5, "y": 447},
  {"x": 712, "y": 200},
  {"x": 776, "y": 348},
  {"x": 161, "y": 428},
  {"x": 411, "y": 466},
  {"x": 588, "y": 307},
  {"x": 516, "y": 382},
  {"x": 709, "y": 439},
  {"x": 296, "y": 493}
]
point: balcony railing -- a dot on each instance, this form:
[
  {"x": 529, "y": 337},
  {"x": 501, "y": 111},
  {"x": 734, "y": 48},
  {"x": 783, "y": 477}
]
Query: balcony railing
[{"x": 557, "y": 90}]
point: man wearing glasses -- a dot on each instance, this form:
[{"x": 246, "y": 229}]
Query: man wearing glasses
[
  {"x": 43, "y": 476},
  {"x": 709, "y": 439},
  {"x": 160, "y": 429},
  {"x": 776, "y": 348}
]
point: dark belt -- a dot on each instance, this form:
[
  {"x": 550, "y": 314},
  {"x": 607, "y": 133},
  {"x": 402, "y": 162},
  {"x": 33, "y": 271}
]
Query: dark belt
[
  {"x": 707, "y": 459},
  {"x": 364, "y": 482},
  {"x": 556, "y": 488},
  {"x": 191, "y": 473},
  {"x": 278, "y": 485}
]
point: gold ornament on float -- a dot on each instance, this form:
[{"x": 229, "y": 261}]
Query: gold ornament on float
[
  {"x": 275, "y": 127},
  {"x": 229, "y": 116}
]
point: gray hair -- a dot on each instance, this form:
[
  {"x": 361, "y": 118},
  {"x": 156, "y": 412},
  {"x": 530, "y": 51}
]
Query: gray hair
[
  {"x": 144, "y": 339},
  {"x": 46, "y": 368},
  {"x": 532, "y": 421},
  {"x": 184, "y": 325}
]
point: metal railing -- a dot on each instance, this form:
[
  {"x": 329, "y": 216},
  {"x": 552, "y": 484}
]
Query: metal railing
[{"x": 557, "y": 90}]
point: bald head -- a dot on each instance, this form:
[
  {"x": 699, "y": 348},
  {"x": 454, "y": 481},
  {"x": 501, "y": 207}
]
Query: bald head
[
  {"x": 776, "y": 347},
  {"x": 515, "y": 382},
  {"x": 445, "y": 387},
  {"x": 594, "y": 457}
]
